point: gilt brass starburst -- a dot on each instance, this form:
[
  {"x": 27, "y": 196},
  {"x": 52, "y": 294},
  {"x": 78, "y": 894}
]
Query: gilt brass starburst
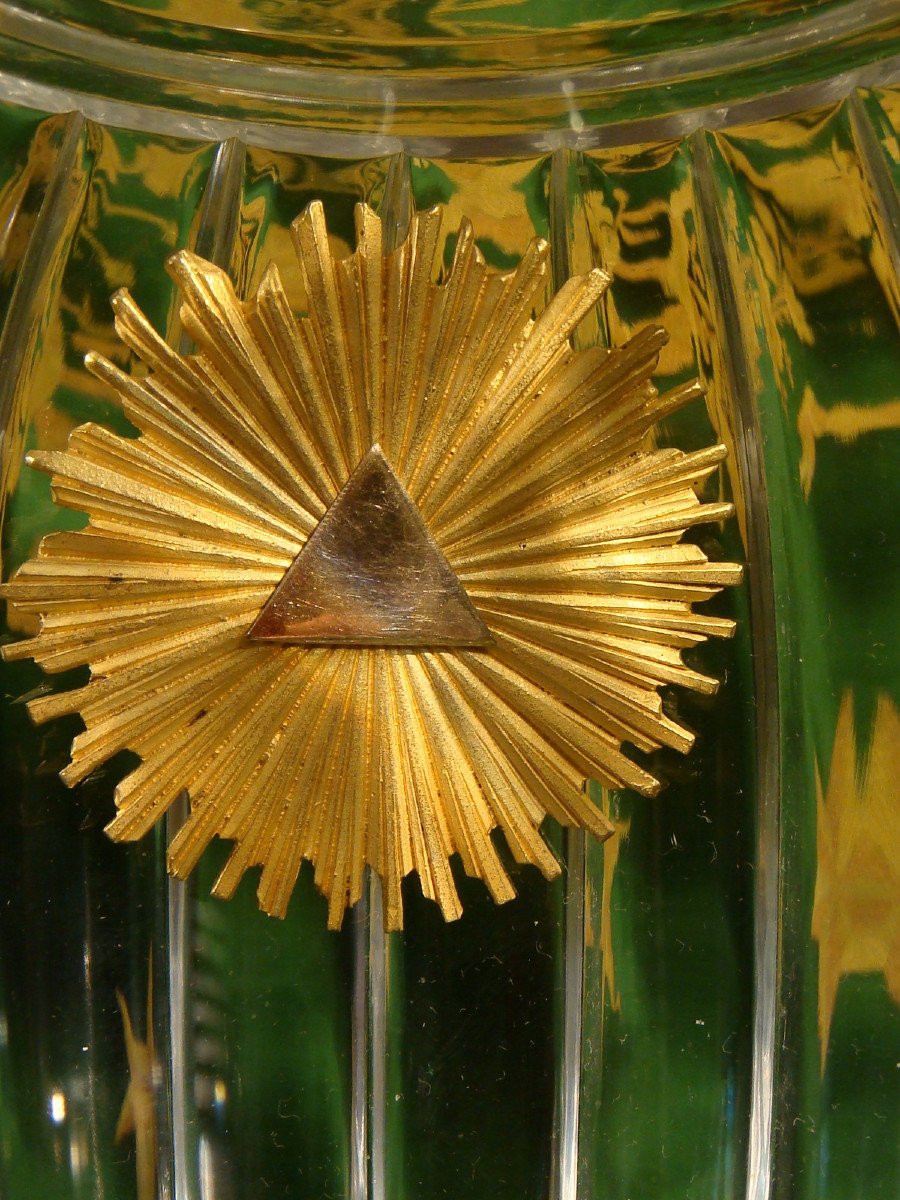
[{"x": 523, "y": 475}]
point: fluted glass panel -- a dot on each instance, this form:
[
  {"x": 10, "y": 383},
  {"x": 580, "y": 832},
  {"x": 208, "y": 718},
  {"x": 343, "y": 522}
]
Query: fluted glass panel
[{"x": 810, "y": 252}]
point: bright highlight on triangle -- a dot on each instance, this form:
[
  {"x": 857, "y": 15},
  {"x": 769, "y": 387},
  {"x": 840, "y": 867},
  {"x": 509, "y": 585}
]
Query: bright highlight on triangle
[{"x": 371, "y": 575}]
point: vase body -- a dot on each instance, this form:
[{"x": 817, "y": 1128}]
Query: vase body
[{"x": 706, "y": 1006}]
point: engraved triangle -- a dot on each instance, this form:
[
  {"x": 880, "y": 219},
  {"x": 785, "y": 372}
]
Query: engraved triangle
[{"x": 371, "y": 575}]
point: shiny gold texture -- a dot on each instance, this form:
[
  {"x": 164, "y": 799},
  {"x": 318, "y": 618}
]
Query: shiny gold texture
[
  {"x": 527, "y": 463},
  {"x": 856, "y": 911},
  {"x": 137, "y": 1116},
  {"x": 370, "y": 575}
]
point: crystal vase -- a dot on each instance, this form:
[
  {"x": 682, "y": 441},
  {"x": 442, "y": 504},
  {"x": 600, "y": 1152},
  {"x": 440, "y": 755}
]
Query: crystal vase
[{"x": 702, "y": 1007}]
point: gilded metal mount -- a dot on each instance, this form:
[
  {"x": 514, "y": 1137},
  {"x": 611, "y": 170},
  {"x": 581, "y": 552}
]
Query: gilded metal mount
[{"x": 514, "y": 630}]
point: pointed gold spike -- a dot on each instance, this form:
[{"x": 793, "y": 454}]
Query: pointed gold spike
[{"x": 371, "y": 575}]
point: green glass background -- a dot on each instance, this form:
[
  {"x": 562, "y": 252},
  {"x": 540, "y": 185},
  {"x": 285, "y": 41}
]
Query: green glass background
[{"x": 639, "y": 985}]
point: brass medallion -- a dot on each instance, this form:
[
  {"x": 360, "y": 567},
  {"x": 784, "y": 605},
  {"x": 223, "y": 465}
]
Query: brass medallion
[{"x": 359, "y": 656}]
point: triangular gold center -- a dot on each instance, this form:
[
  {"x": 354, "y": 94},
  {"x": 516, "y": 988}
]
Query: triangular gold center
[{"x": 371, "y": 575}]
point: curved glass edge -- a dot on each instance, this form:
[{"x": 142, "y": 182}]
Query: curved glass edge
[
  {"x": 572, "y": 100},
  {"x": 406, "y": 38}
]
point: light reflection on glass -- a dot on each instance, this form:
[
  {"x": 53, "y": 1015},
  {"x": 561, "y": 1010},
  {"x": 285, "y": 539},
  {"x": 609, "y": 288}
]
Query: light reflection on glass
[
  {"x": 79, "y": 1152},
  {"x": 57, "y": 1107}
]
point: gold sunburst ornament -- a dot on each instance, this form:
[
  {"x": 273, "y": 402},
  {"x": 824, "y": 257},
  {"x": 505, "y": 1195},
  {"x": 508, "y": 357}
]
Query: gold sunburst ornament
[{"x": 373, "y": 583}]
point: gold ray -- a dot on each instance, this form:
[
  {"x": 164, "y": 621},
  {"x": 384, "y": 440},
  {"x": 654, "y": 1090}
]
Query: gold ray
[{"x": 548, "y": 600}]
